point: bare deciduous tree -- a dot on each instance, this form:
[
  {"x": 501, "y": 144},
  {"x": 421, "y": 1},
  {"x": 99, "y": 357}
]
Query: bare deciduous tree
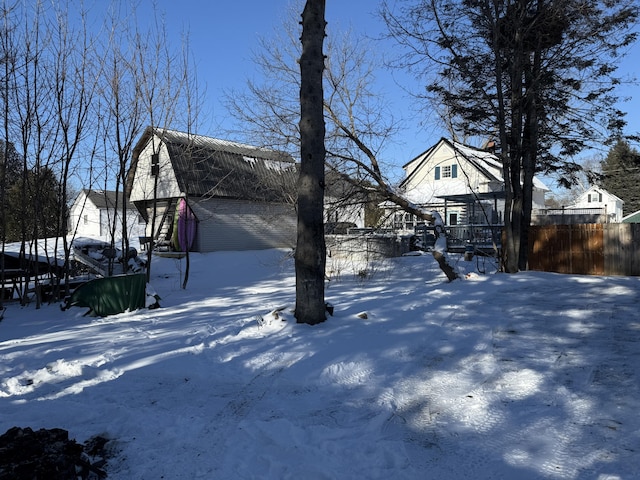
[
  {"x": 358, "y": 121},
  {"x": 145, "y": 82},
  {"x": 73, "y": 100}
]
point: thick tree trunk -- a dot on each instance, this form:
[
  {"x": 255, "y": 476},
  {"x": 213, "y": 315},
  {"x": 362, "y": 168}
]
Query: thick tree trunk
[
  {"x": 310, "y": 255},
  {"x": 530, "y": 152},
  {"x": 513, "y": 222}
]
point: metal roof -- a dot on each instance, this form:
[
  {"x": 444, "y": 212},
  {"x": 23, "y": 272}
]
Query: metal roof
[
  {"x": 105, "y": 198},
  {"x": 632, "y": 218},
  {"x": 210, "y": 167}
]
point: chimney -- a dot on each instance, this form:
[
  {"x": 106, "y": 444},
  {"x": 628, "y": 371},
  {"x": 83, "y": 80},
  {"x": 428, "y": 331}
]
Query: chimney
[{"x": 490, "y": 146}]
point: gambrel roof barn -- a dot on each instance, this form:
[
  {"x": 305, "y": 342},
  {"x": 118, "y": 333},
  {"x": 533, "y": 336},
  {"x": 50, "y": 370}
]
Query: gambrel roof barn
[{"x": 242, "y": 196}]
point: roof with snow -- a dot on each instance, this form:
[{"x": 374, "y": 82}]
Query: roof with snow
[
  {"x": 484, "y": 161},
  {"x": 206, "y": 166}
]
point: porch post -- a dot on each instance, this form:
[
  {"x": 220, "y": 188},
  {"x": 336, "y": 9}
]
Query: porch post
[{"x": 446, "y": 217}]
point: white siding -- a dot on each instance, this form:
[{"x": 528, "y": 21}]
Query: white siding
[
  {"x": 431, "y": 175},
  {"x": 599, "y": 198},
  {"x": 87, "y": 220},
  {"x": 243, "y": 225},
  {"x": 84, "y": 218},
  {"x": 423, "y": 187},
  {"x": 143, "y": 183}
]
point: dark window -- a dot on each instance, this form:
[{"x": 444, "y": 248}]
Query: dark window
[{"x": 155, "y": 164}]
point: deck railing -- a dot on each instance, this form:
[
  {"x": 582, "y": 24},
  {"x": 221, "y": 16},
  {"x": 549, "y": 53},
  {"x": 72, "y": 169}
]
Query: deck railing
[{"x": 458, "y": 236}]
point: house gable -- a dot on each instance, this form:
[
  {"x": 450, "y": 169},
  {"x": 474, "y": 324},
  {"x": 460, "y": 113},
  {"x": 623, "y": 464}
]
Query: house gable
[
  {"x": 596, "y": 197},
  {"x": 84, "y": 216},
  {"x": 449, "y": 168},
  {"x": 151, "y": 175},
  {"x": 464, "y": 184}
]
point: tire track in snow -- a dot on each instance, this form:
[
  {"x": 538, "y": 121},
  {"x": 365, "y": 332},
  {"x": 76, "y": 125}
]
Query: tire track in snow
[
  {"x": 231, "y": 419},
  {"x": 593, "y": 350}
]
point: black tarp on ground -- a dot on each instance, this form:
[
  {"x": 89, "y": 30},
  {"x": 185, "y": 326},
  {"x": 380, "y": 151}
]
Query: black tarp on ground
[{"x": 110, "y": 295}]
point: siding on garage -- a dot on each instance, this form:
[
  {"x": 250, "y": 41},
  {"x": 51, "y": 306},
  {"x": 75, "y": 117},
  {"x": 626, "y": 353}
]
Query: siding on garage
[{"x": 226, "y": 224}]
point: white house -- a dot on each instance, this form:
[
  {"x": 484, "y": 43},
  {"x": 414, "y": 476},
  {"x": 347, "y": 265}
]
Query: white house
[
  {"x": 464, "y": 184},
  {"x": 601, "y": 202},
  {"x": 94, "y": 213}
]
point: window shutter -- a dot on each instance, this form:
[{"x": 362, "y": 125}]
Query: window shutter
[
  {"x": 437, "y": 173},
  {"x": 454, "y": 171}
]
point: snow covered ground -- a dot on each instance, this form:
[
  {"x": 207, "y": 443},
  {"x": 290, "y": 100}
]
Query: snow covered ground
[{"x": 525, "y": 376}]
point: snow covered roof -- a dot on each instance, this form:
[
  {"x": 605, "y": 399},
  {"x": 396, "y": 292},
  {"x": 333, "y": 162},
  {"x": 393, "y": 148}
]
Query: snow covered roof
[{"x": 484, "y": 161}]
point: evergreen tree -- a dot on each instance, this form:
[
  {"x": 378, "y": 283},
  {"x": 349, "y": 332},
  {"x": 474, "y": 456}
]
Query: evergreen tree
[
  {"x": 621, "y": 175},
  {"x": 10, "y": 173},
  {"x": 34, "y": 211},
  {"x": 536, "y": 75},
  {"x": 10, "y": 162}
]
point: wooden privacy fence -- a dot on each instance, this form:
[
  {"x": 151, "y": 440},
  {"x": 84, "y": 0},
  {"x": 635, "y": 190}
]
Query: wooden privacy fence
[{"x": 590, "y": 249}]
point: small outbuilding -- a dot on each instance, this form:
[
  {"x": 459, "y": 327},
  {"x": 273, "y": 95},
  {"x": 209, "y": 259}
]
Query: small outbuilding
[
  {"x": 98, "y": 214},
  {"x": 632, "y": 217}
]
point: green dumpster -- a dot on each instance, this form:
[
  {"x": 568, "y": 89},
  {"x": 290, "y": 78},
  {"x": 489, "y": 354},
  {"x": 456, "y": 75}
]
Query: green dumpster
[{"x": 110, "y": 295}]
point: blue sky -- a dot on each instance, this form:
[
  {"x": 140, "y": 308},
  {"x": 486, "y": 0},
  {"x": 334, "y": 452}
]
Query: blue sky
[
  {"x": 222, "y": 41},
  {"x": 223, "y": 34}
]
